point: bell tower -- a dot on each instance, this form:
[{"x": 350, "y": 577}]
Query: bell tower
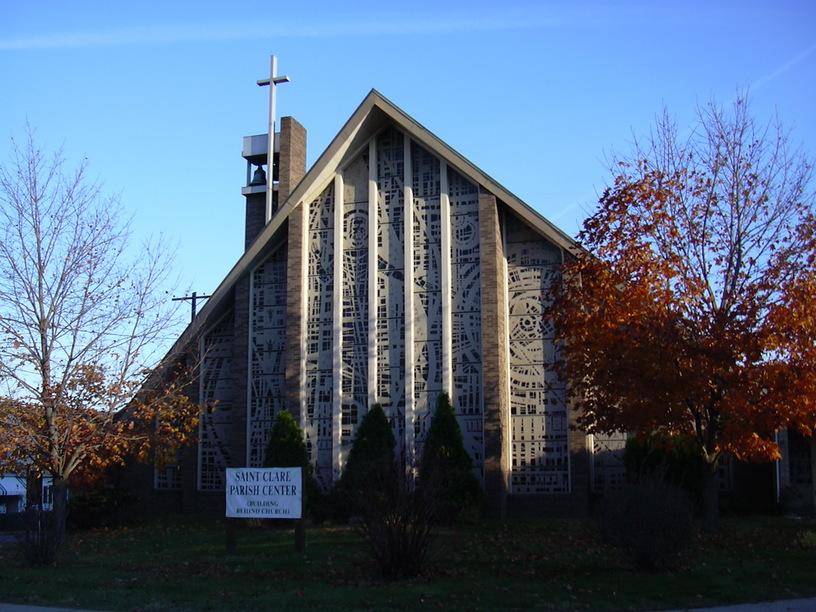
[{"x": 272, "y": 172}]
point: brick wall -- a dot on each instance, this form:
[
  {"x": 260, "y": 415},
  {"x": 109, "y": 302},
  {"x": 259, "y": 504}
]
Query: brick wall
[
  {"x": 292, "y": 164},
  {"x": 255, "y": 217},
  {"x": 494, "y": 358}
]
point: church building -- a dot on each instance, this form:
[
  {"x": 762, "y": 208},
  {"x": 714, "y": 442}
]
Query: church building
[{"x": 391, "y": 270}]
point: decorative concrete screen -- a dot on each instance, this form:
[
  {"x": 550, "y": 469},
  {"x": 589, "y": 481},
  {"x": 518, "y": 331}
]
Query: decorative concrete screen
[
  {"x": 538, "y": 407},
  {"x": 394, "y": 258},
  {"x": 320, "y": 340},
  {"x": 608, "y": 470},
  {"x": 217, "y": 388},
  {"x": 267, "y": 377},
  {"x": 394, "y": 232}
]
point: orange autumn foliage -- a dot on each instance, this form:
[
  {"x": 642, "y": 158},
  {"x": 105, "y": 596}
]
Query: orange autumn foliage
[
  {"x": 691, "y": 307},
  {"x": 85, "y": 430}
]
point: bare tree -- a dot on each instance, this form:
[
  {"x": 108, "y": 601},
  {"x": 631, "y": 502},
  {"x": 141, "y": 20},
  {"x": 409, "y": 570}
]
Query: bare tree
[{"x": 82, "y": 316}]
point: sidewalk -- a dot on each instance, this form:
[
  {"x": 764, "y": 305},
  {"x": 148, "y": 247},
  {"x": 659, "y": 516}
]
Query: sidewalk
[
  {"x": 15, "y": 608},
  {"x": 788, "y": 605}
]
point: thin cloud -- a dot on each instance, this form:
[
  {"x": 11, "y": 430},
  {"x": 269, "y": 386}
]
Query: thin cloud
[
  {"x": 783, "y": 68},
  {"x": 159, "y": 35},
  {"x": 147, "y": 35}
]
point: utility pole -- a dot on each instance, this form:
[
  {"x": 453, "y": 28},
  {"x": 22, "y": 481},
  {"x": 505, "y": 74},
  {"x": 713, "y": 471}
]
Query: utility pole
[{"x": 193, "y": 301}]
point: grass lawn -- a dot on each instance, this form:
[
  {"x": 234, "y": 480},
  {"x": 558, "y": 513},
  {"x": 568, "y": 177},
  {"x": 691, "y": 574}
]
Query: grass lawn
[{"x": 180, "y": 563}]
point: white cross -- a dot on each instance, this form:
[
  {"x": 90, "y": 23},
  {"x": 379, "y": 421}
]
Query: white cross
[{"x": 272, "y": 81}]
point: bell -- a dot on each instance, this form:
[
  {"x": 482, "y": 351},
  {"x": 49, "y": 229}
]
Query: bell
[{"x": 259, "y": 178}]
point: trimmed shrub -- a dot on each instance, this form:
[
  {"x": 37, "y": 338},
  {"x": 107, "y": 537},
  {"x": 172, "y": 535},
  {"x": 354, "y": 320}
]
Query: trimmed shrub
[
  {"x": 394, "y": 522},
  {"x": 286, "y": 448},
  {"x": 446, "y": 470},
  {"x": 370, "y": 472}
]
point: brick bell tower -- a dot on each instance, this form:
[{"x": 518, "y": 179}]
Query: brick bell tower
[{"x": 272, "y": 172}]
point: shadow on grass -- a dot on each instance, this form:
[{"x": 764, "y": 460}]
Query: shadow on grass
[{"x": 180, "y": 563}]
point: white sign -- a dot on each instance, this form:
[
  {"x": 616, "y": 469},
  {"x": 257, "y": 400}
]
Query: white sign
[{"x": 264, "y": 493}]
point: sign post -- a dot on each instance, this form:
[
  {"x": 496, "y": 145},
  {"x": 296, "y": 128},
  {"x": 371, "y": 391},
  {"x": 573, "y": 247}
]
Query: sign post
[{"x": 263, "y": 493}]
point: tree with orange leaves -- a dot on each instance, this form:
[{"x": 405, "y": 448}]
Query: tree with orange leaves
[
  {"x": 81, "y": 319},
  {"x": 690, "y": 308}
]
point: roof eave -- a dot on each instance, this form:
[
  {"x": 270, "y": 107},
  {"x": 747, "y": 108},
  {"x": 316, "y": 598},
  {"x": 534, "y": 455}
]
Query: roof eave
[{"x": 318, "y": 176}]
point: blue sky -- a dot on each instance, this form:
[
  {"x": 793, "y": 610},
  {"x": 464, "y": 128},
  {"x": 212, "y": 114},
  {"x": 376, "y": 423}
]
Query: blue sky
[{"x": 158, "y": 95}]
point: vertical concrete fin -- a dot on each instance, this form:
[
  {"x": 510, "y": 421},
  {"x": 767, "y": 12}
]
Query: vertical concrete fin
[{"x": 495, "y": 359}]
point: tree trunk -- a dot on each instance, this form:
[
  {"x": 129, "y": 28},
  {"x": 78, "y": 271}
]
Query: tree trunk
[
  {"x": 33, "y": 490},
  {"x": 59, "y": 515},
  {"x": 711, "y": 499},
  {"x": 46, "y": 529}
]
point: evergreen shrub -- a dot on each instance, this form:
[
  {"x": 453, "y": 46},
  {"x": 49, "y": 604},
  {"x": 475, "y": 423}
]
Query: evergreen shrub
[
  {"x": 446, "y": 471},
  {"x": 286, "y": 448},
  {"x": 370, "y": 474},
  {"x": 393, "y": 520}
]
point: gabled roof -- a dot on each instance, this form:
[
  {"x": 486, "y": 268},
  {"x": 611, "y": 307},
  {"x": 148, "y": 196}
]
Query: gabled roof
[{"x": 373, "y": 114}]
